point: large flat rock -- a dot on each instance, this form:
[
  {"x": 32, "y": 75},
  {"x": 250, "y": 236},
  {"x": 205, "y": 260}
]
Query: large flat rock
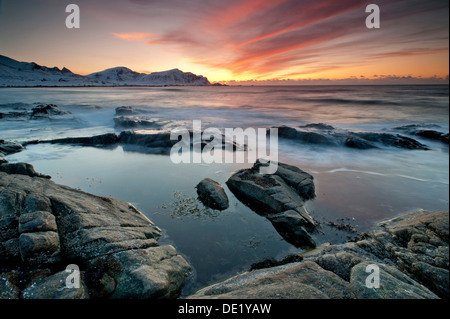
[{"x": 51, "y": 226}]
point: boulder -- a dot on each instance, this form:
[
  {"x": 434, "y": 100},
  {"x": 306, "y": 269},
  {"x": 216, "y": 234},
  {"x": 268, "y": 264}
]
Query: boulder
[
  {"x": 290, "y": 225},
  {"x": 98, "y": 140},
  {"x": 48, "y": 111},
  {"x": 393, "y": 284},
  {"x": 309, "y": 137},
  {"x": 280, "y": 198},
  {"x": 21, "y": 169},
  {"x": 135, "y": 122},
  {"x": 55, "y": 287},
  {"x": 212, "y": 195},
  {"x": 152, "y": 273},
  {"x": 391, "y": 140},
  {"x": 358, "y": 143},
  {"x": 43, "y": 223},
  {"x": 425, "y": 131},
  {"x": 37, "y": 222},
  {"x": 39, "y": 247},
  {"x": 8, "y": 147},
  {"x": 124, "y": 110}
]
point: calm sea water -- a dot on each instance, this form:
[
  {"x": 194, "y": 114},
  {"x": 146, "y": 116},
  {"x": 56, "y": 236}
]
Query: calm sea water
[{"x": 362, "y": 186}]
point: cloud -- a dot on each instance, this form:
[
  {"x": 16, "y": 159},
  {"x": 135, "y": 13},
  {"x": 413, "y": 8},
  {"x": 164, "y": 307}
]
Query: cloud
[
  {"x": 264, "y": 38},
  {"x": 134, "y": 36}
]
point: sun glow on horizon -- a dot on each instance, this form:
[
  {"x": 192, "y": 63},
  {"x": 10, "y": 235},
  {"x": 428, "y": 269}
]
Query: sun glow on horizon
[{"x": 237, "y": 40}]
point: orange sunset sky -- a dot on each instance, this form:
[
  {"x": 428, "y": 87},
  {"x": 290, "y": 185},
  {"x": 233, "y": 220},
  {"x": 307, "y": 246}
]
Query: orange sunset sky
[{"x": 234, "y": 39}]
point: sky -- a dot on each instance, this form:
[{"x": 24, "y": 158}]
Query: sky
[{"x": 244, "y": 41}]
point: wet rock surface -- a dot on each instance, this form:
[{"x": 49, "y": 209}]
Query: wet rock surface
[
  {"x": 21, "y": 169},
  {"x": 410, "y": 251},
  {"x": 44, "y": 227},
  {"x": 327, "y": 135},
  {"x": 35, "y": 112},
  {"x": 425, "y": 131},
  {"x": 279, "y": 197},
  {"x": 212, "y": 195}
]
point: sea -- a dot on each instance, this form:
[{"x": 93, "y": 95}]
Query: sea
[{"x": 354, "y": 187}]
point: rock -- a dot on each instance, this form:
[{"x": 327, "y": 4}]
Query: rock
[
  {"x": 98, "y": 140},
  {"x": 157, "y": 141},
  {"x": 340, "y": 263},
  {"x": 212, "y": 195},
  {"x": 401, "y": 248},
  {"x": 153, "y": 273},
  {"x": 435, "y": 278},
  {"x": 430, "y": 134},
  {"x": 268, "y": 263},
  {"x": 8, "y": 147},
  {"x": 124, "y": 110},
  {"x": 139, "y": 274},
  {"x": 393, "y": 284},
  {"x": 43, "y": 223},
  {"x": 40, "y": 247},
  {"x": 54, "y": 287},
  {"x": 391, "y": 140},
  {"x": 358, "y": 143},
  {"x": 424, "y": 131},
  {"x": 134, "y": 122},
  {"x": 21, "y": 169},
  {"x": 8, "y": 285},
  {"x": 299, "y": 180},
  {"x": 37, "y": 222},
  {"x": 290, "y": 225},
  {"x": 273, "y": 197},
  {"x": 305, "y": 136},
  {"x": 303, "y": 280},
  {"x": 418, "y": 244},
  {"x": 321, "y": 134},
  {"x": 47, "y": 111},
  {"x": 319, "y": 126}
]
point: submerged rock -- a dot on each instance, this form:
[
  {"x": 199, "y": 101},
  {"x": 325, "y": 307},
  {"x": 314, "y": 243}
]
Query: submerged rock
[
  {"x": 98, "y": 140},
  {"x": 425, "y": 131},
  {"x": 326, "y": 135},
  {"x": 47, "y": 111},
  {"x": 392, "y": 140},
  {"x": 212, "y": 195},
  {"x": 43, "y": 224},
  {"x": 124, "y": 110},
  {"x": 135, "y": 122},
  {"x": 280, "y": 198}
]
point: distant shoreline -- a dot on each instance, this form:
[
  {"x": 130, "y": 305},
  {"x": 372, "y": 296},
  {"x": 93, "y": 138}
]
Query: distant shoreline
[{"x": 213, "y": 85}]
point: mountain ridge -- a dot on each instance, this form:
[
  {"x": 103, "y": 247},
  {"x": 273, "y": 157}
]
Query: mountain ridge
[{"x": 14, "y": 73}]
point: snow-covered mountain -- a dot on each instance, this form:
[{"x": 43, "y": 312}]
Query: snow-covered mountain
[{"x": 15, "y": 73}]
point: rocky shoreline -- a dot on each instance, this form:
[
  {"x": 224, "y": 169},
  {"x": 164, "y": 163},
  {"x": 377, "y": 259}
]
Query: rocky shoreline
[
  {"x": 45, "y": 227},
  {"x": 411, "y": 252}
]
